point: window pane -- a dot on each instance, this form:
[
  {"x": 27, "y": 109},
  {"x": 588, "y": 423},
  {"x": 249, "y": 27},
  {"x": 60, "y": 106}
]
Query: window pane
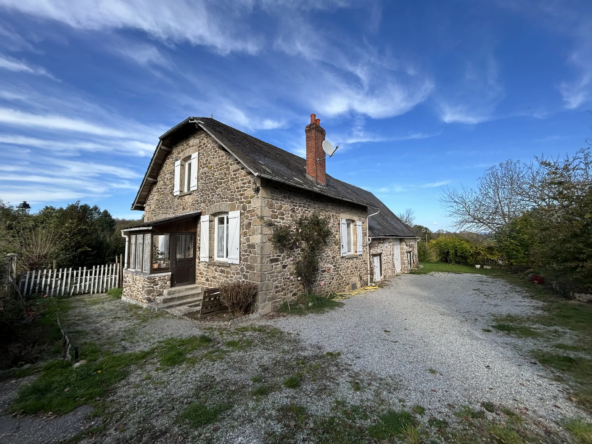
[
  {"x": 139, "y": 251},
  {"x": 161, "y": 259},
  {"x": 349, "y": 237},
  {"x": 185, "y": 246},
  {"x": 187, "y": 176},
  {"x": 132, "y": 252},
  {"x": 222, "y": 222},
  {"x": 146, "y": 264}
]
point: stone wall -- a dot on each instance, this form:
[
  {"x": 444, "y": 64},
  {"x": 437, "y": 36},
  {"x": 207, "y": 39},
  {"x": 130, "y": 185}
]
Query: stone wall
[
  {"x": 144, "y": 288},
  {"x": 385, "y": 247},
  {"x": 223, "y": 185},
  {"x": 409, "y": 246},
  {"x": 283, "y": 205}
]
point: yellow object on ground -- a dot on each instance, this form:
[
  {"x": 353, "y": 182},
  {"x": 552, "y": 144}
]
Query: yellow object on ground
[{"x": 357, "y": 292}]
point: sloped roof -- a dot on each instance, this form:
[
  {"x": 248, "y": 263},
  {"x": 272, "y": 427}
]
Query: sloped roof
[{"x": 270, "y": 162}]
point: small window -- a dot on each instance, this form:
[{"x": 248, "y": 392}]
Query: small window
[
  {"x": 139, "y": 251},
  {"x": 221, "y": 236},
  {"x": 161, "y": 259},
  {"x": 185, "y": 179},
  {"x": 350, "y": 237}
]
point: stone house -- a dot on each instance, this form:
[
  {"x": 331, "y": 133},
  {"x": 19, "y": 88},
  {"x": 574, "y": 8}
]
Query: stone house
[{"x": 208, "y": 196}]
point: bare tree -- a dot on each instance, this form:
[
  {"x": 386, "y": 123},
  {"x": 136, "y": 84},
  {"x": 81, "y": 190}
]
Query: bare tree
[
  {"x": 407, "y": 216},
  {"x": 503, "y": 193},
  {"x": 36, "y": 246}
]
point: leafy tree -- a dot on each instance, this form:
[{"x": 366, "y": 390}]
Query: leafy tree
[{"x": 452, "y": 249}]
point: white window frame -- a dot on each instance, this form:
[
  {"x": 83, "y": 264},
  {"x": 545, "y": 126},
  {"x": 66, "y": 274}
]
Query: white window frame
[
  {"x": 216, "y": 225},
  {"x": 187, "y": 164}
]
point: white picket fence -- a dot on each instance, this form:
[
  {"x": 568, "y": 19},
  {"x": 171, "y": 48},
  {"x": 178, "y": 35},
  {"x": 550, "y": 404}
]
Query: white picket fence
[{"x": 68, "y": 281}]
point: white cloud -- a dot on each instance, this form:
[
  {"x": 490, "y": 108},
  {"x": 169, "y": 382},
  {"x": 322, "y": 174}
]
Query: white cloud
[
  {"x": 197, "y": 23},
  {"x": 475, "y": 99},
  {"x": 11, "y": 64},
  {"x": 436, "y": 184},
  {"x": 144, "y": 55},
  {"x": 578, "y": 92}
]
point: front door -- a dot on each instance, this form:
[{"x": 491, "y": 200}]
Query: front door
[
  {"x": 397, "y": 254},
  {"x": 376, "y": 266},
  {"x": 182, "y": 259}
]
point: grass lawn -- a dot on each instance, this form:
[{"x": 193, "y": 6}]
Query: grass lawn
[{"x": 442, "y": 267}]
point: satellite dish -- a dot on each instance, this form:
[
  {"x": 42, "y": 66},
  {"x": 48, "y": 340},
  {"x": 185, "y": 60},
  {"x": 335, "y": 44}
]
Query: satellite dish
[{"x": 328, "y": 148}]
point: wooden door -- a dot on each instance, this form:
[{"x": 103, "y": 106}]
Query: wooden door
[
  {"x": 397, "y": 254},
  {"x": 376, "y": 266},
  {"x": 182, "y": 259}
]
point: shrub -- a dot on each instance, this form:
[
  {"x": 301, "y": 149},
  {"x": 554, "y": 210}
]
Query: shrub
[
  {"x": 425, "y": 253},
  {"x": 453, "y": 250},
  {"x": 238, "y": 296}
]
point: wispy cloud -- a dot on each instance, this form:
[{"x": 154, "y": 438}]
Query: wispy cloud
[
  {"x": 197, "y": 23},
  {"x": 11, "y": 64},
  {"x": 436, "y": 184},
  {"x": 476, "y": 98}
]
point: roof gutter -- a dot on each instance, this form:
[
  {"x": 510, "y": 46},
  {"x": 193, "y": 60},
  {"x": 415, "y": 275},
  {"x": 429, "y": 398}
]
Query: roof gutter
[{"x": 369, "y": 239}]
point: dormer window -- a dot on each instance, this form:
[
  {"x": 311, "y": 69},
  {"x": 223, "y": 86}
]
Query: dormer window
[{"x": 185, "y": 175}]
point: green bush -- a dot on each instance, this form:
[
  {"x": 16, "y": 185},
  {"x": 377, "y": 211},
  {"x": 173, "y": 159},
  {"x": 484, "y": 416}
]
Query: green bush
[
  {"x": 453, "y": 250},
  {"x": 425, "y": 253}
]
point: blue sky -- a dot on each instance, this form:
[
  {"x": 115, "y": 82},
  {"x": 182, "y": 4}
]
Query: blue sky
[{"x": 418, "y": 95}]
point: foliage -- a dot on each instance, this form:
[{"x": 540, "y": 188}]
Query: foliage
[
  {"x": 75, "y": 236},
  {"x": 516, "y": 240},
  {"x": 198, "y": 414},
  {"x": 441, "y": 267},
  {"x": 391, "y": 424},
  {"x": 310, "y": 235},
  {"x": 425, "y": 253},
  {"x": 453, "y": 249},
  {"x": 238, "y": 296},
  {"x": 310, "y": 303}
]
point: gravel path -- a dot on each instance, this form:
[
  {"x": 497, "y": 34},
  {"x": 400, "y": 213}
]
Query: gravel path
[{"x": 436, "y": 322}]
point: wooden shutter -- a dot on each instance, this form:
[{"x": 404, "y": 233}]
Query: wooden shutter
[
  {"x": 193, "y": 178},
  {"x": 397, "y": 253},
  {"x": 343, "y": 237},
  {"x": 177, "y": 186},
  {"x": 204, "y": 239},
  {"x": 359, "y": 239},
  {"x": 234, "y": 237}
]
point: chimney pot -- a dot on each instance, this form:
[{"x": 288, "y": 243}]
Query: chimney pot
[
  {"x": 318, "y": 121},
  {"x": 313, "y": 118}
]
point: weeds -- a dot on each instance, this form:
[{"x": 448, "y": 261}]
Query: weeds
[
  {"x": 580, "y": 429},
  {"x": 306, "y": 304},
  {"x": 198, "y": 415},
  {"x": 391, "y": 424},
  {"x": 174, "y": 351},
  {"x": 261, "y": 390},
  {"x": 292, "y": 382},
  {"x": 418, "y": 410}
]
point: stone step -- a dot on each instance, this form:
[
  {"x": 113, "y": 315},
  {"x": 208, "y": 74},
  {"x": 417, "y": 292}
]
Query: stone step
[
  {"x": 178, "y": 297},
  {"x": 183, "y": 309},
  {"x": 185, "y": 289}
]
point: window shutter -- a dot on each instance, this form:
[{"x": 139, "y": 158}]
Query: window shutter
[
  {"x": 193, "y": 179},
  {"x": 204, "y": 239},
  {"x": 234, "y": 237},
  {"x": 177, "y": 187},
  {"x": 343, "y": 237},
  {"x": 359, "y": 236}
]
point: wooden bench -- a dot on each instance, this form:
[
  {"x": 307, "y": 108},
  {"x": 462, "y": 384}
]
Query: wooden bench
[{"x": 211, "y": 303}]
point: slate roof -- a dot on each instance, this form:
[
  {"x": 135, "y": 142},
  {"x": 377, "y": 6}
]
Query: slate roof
[{"x": 270, "y": 162}]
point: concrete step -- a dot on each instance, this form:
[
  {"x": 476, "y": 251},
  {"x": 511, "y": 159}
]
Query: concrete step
[
  {"x": 185, "y": 289},
  {"x": 178, "y": 298},
  {"x": 180, "y": 301}
]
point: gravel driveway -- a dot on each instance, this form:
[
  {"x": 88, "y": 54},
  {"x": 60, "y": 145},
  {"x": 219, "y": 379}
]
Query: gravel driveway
[{"x": 427, "y": 331}]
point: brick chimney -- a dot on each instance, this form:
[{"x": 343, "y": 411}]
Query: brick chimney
[{"x": 315, "y": 156}]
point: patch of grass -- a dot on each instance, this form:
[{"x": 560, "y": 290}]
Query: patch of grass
[
  {"x": 504, "y": 434},
  {"x": 292, "y": 382},
  {"x": 239, "y": 344},
  {"x": 580, "y": 429},
  {"x": 198, "y": 415},
  {"x": 335, "y": 354},
  {"x": 60, "y": 387},
  {"x": 306, "y": 304},
  {"x": 261, "y": 390},
  {"x": 257, "y": 379},
  {"x": 433, "y": 371},
  {"x": 512, "y": 416},
  {"x": 174, "y": 351},
  {"x": 468, "y": 412},
  {"x": 442, "y": 267},
  {"x": 115, "y": 292},
  {"x": 487, "y": 330},
  {"x": 391, "y": 424},
  {"x": 418, "y": 410},
  {"x": 355, "y": 386},
  {"x": 518, "y": 330},
  {"x": 578, "y": 367},
  {"x": 412, "y": 434},
  {"x": 488, "y": 406},
  {"x": 438, "y": 423},
  {"x": 569, "y": 347}
]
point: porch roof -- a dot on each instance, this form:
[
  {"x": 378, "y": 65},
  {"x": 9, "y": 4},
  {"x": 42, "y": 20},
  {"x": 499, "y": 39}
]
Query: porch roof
[{"x": 154, "y": 223}]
